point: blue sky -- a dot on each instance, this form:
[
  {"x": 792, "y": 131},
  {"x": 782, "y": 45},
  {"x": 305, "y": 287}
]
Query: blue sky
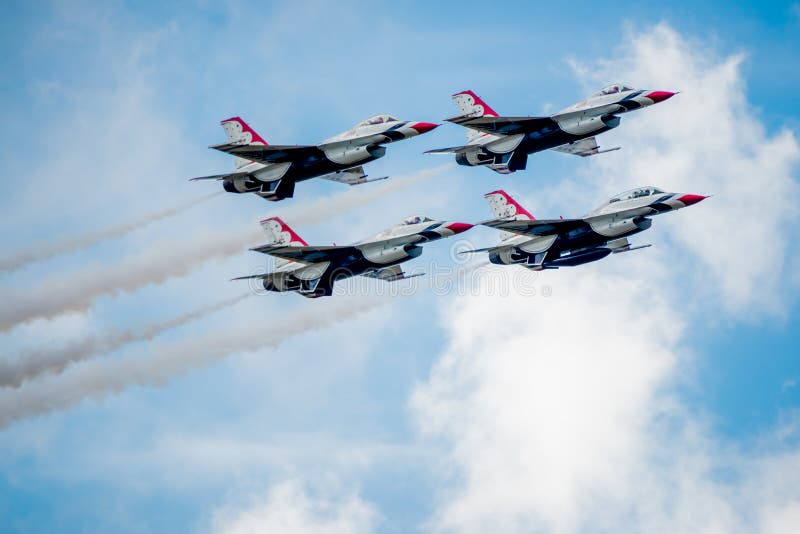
[{"x": 374, "y": 423}]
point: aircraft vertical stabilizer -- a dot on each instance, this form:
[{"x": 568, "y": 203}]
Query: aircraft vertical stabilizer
[
  {"x": 470, "y": 104},
  {"x": 240, "y": 132},
  {"x": 503, "y": 206},
  {"x": 280, "y": 233}
]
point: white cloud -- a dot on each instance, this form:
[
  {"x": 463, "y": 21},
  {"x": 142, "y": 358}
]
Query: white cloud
[
  {"x": 289, "y": 508},
  {"x": 560, "y": 414},
  {"x": 707, "y": 140}
]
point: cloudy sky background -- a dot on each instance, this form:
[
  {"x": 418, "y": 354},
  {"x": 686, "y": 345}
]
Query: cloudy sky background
[{"x": 653, "y": 391}]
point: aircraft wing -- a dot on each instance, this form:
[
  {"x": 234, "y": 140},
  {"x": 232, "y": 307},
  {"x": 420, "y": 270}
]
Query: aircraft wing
[
  {"x": 268, "y": 153},
  {"x": 221, "y": 176},
  {"x": 305, "y": 254},
  {"x": 354, "y": 176},
  {"x": 536, "y": 227},
  {"x": 390, "y": 274},
  {"x": 505, "y": 125},
  {"x": 452, "y": 149},
  {"x": 584, "y": 147}
]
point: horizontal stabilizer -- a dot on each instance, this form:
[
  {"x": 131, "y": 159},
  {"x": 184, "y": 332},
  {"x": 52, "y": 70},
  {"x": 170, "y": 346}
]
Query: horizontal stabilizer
[{"x": 505, "y": 125}]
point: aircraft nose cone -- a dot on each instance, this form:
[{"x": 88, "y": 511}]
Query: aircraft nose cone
[
  {"x": 458, "y": 227},
  {"x": 688, "y": 200},
  {"x": 423, "y": 127},
  {"x": 660, "y": 96}
]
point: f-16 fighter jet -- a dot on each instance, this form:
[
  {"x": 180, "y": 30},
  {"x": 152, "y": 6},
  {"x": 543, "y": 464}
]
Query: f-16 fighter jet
[
  {"x": 549, "y": 244},
  {"x": 503, "y": 143},
  {"x": 271, "y": 171},
  {"x": 312, "y": 271}
]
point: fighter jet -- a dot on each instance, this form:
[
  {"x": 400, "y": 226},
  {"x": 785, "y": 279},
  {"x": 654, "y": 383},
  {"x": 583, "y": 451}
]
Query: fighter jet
[
  {"x": 271, "y": 171},
  {"x": 503, "y": 143},
  {"x": 312, "y": 271},
  {"x": 549, "y": 244}
]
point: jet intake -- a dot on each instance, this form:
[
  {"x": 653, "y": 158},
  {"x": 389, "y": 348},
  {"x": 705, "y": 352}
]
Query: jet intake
[
  {"x": 643, "y": 223},
  {"x": 611, "y": 121}
]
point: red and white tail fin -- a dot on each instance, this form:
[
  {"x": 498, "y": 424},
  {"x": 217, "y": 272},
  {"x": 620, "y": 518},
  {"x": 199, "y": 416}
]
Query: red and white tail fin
[
  {"x": 504, "y": 206},
  {"x": 280, "y": 233},
  {"x": 238, "y": 131},
  {"x": 471, "y": 104}
]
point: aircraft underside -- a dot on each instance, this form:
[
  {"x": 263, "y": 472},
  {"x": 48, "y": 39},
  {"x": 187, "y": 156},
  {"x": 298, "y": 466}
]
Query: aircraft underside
[
  {"x": 277, "y": 181},
  {"x": 581, "y": 246},
  {"x": 516, "y": 159},
  {"x": 322, "y": 286}
]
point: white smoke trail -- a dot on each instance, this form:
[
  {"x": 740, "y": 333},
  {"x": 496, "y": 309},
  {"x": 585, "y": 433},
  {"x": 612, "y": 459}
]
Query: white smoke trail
[
  {"x": 102, "y": 377},
  {"x": 161, "y": 261},
  {"x": 35, "y": 362},
  {"x": 48, "y": 250}
]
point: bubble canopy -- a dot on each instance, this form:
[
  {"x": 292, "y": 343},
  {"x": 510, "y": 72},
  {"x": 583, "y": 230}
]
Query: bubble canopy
[
  {"x": 415, "y": 219},
  {"x": 612, "y": 89},
  {"x": 377, "y": 119},
  {"x": 636, "y": 193}
]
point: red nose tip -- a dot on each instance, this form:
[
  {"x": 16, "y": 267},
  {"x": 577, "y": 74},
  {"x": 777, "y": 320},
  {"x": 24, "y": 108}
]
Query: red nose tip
[
  {"x": 691, "y": 199},
  {"x": 458, "y": 227},
  {"x": 660, "y": 96},
  {"x": 423, "y": 127}
]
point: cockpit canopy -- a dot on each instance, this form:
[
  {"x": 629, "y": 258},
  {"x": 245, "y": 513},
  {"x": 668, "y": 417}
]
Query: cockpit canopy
[
  {"x": 611, "y": 89},
  {"x": 377, "y": 119},
  {"x": 415, "y": 219},
  {"x": 636, "y": 193}
]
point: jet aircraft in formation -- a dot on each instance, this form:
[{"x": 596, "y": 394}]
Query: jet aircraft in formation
[
  {"x": 499, "y": 143},
  {"x": 549, "y": 244},
  {"x": 312, "y": 271},
  {"x": 271, "y": 171},
  {"x": 503, "y": 143}
]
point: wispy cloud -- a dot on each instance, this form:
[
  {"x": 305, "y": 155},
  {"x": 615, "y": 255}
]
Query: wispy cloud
[
  {"x": 563, "y": 417},
  {"x": 289, "y": 507}
]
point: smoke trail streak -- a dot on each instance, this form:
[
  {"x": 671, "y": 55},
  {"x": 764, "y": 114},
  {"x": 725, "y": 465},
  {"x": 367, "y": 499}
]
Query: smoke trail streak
[
  {"x": 161, "y": 261},
  {"x": 162, "y": 362},
  {"x": 48, "y": 250},
  {"x": 33, "y": 363}
]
